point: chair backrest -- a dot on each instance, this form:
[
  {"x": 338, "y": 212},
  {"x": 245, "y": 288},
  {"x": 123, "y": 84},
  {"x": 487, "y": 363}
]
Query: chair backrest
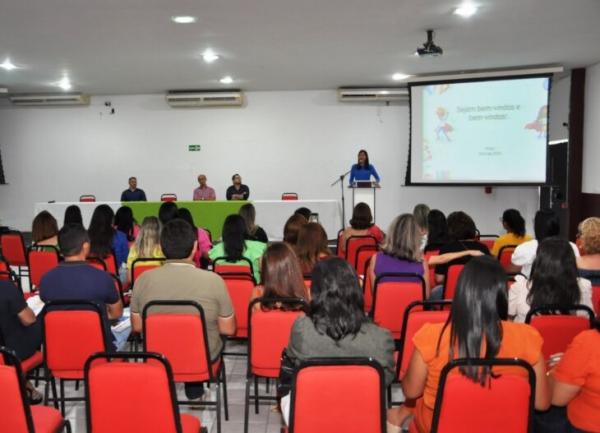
[
  {"x": 363, "y": 254},
  {"x": 6, "y": 274},
  {"x": 415, "y": 316},
  {"x": 367, "y": 287},
  {"x": 87, "y": 198},
  {"x": 428, "y": 254},
  {"x": 338, "y": 395},
  {"x": 558, "y": 330},
  {"x": 505, "y": 255},
  {"x": 487, "y": 240},
  {"x": 339, "y": 247},
  {"x": 289, "y": 196},
  {"x": 352, "y": 245},
  {"x": 240, "y": 287},
  {"x": 13, "y": 248},
  {"x": 41, "y": 260},
  {"x": 392, "y": 297},
  {"x": 269, "y": 333},
  {"x": 451, "y": 279},
  {"x": 168, "y": 197},
  {"x": 222, "y": 265},
  {"x": 179, "y": 336},
  {"x": 488, "y": 405},
  {"x": 146, "y": 386},
  {"x": 16, "y": 414},
  {"x": 596, "y": 299},
  {"x": 143, "y": 264},
  {"x": 108, "y": 263},
  {"x": 73, "y": 330}
]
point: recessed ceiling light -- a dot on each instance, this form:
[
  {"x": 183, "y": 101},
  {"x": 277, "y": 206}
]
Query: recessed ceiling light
[
  {"x": 398, "y": 76},
  {"x": 466, "y": 10},
  {"x": 64, "y": 83},
  {"x": 183, "y": 19},
  {"x": 7, "y": 65},
  {"x": 226, "y": 80},
  {"x": 209, "y": 56}
]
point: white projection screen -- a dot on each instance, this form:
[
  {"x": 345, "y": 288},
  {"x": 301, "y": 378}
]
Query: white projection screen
[{"x": 479, "y": 132}]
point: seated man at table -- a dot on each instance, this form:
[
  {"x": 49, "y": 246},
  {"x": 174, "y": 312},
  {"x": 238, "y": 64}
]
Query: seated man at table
[
  {"x": 237, "y": 191},
  {"x": 204, "y": 192},
  {"x": 74, "y": 279},
  {"x": 179, "y": 279},
  {"x": 133, "y": 193}
]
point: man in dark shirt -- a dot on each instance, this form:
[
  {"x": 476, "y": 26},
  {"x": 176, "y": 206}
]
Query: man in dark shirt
[
  {"x": 133, "y": 193},
  {"x": 237, "y": 191},
  {"x": 74, "y": 279}
]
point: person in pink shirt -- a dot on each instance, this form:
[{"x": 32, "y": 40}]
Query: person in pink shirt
[
  {"x": 204, "y": 242},
  {"x": 204, "y": 192}
]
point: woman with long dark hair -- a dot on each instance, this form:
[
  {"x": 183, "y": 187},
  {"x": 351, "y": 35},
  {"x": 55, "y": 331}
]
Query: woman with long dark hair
[
  {"x": 476, "y": 328},
  {"x": 553, "y": 281},
  {"x": 437, "y": 229},
  {"x": 363, "y": 169},
  {"x": 73, "y": 215},
  {"x": 104, "y": 238},
  {"x": 362, "y": 224},
  {"x": 514, "y": 224},
  {"x": 125, "y": 222},
  {"x": 311, "y": 246}
]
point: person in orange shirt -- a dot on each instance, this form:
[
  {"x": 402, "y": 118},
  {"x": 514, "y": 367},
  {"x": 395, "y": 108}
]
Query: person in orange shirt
[
  {"x": 481, "y": 293},
  {"x": 575, "y": 382}
]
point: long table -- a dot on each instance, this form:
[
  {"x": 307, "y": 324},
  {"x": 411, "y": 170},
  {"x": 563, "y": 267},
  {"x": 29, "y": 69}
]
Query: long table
[{"x": 271, "y": 215}]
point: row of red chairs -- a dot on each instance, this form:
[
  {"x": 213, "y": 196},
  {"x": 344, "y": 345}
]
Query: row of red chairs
[{"x": 91, "y": 198}]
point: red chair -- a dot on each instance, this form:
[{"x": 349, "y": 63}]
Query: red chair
[
  {"x": 182, "y": 338},
  {"x": 338, "y": 395},
  {"x": 73, "y": 330},
  {"x": 146, "y": 386},
  {"x": 488, "y": 240},
  {"x": 17, "y": 415},
  {"x": 488, "y": 404},
  {"x": 596, "y": 299},
  {"x": 108, "y": 263},
  {"x": 393, "y": 292},
  {"x": 505, "y": 257},
  {"x": 168, "y": 197},
  {"x": 141, "y": 265},
  {"x": 6, "y": 274},
  {"x": 87, "y": 198},
  {"x": 355, "y": 242},
  {"x": 339, "y": 247},
  {"x": 268, "y": 334},
  {"x": 41, "y": 259},
  {"x": 239, "y": 287},
  {"x": 289, "y": 196},
  {"x": 428, "y": 254},
  {"x": 450, "y": 280},
  {"x": 13, "y": 250},
  {"x": 363, "y": 255},
  {"x": 222, "y": 265},
  {"x": 558, "y": 330}
]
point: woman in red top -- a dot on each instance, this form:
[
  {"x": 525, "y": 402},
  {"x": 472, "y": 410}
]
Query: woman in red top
[{"x": 362, "y": 224}]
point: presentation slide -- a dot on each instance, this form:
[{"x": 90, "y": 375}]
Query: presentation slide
[{"x": 479, "y": 132}]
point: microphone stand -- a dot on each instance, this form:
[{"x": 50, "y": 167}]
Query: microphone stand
[{"x": 340, "y": 179}]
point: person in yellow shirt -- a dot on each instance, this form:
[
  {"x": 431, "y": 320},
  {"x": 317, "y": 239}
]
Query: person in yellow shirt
[{"x": 514, "y": 224}]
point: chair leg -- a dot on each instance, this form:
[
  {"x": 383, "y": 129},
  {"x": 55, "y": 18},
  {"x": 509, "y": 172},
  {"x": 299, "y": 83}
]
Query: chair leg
[
  {"x": 218, "y": 407},
  {"x": 77, "y": 385},
  {"x": 246, "y": 405},
  {"x": 256, "y": 395},
  {"x": 224, "y": 381},
  {"x": 62, "y": 397},
  {"x": 389, "y": 396},
  {"x": 54, "y": 393},
  {"x": 267, "y": 383},
  {"x": 67, "y": 426}
]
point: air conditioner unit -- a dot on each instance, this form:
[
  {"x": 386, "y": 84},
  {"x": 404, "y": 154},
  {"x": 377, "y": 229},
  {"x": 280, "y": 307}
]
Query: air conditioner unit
[
  {"x": 50, "y": 99},
  {"x": 385, "y": 94},
  {"x": 205, "y": 98}
]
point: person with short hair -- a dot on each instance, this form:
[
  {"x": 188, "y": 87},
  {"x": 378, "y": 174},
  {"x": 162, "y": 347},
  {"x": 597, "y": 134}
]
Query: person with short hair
[
  {"x": 44, "y": 230},
  {"x": 204, "y": 192},
  {"x": 254, "y": 231},
  {"x": 361, "y": 224},
  {"x": 237, "y": 191},
  {"x": 133, "y": 193},
  {"x": 589, "y": 236},
  {"x": 514, "y": 224},
  {"x": 74, "y": 279}
]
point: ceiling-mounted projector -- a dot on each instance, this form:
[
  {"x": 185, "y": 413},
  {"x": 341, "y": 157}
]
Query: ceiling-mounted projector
[{"x": 430, "y": 49}]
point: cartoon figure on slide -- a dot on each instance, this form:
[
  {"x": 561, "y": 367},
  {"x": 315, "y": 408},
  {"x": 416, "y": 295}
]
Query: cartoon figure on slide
[
  {"x": 540, "y": 124},
  {"x": 443, "y": 128}
]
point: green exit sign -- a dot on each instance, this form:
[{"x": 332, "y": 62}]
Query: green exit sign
[{"x": 194, "y": 148}]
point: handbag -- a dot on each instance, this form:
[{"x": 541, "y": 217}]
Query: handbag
[{"x": 286, "y": 375}]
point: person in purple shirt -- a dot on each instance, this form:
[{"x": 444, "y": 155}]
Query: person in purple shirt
[
  {"x": 204, "y": 192},
  {"x": 363, "y": 170}
]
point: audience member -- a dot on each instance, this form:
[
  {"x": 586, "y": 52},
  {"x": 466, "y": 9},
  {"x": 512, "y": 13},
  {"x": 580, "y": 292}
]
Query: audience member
[
  {"x": 311, "y": 246},
  {"x": 281, "y": 276},
  {"x": 477, "y": 328},
  {"x": 235, "y": 245},
  {"x": 336, "y": 326},
  {"x": 361, "y": 224},
  {"x": 179, "y": 279},
  {"x": 514, "y": 224},
  {"x": 292, "y": 228},
  {"x": 546, "y": 224},
  {"x": 147, "y": 245},
  {"x": 44, "y": 230},
  {"x": 104, "y": 239},
  {"x": 74, "y": 279},
  {"x": 304, "y": 211},
  {"x": 124, "y": 222},
  {"x": 553, "y": 281},
  {"x": 589, "y": 236},
  {"x": 204, "y": 192},
  {"x": 167, "y": 212},
  {"x": 237, "y": 191},
  {"x": 437, "y": 230},
  {"x": 73, "y": 215},
  {"x": 254, "y": 232},
  {"x": 420, "y": 212},
  {"x": 204, "y": 243},
  {"x": 133, "y": 193}
]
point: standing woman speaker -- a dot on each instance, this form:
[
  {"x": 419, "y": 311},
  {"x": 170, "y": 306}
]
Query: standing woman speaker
[{"x": 363, "y": 170}]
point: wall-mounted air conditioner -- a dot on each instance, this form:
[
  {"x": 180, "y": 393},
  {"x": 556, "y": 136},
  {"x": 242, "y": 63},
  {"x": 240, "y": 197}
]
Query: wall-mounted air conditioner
[
  {"x": 369, "y": 94},
  {"x": 205, "y": 98},
  {"x": 50, "y": 99}
]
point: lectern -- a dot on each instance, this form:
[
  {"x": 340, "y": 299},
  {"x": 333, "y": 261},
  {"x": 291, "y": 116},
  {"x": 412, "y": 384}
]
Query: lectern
[{"x": 363, "y": 191}]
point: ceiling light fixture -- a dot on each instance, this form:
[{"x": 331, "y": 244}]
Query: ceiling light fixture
[
  {"x": 64, "y": 84},
  {"x": 226, "y": 80},
  {"x": 398, "y": 76},
  {"x": 7, "y": 65},
  {"x": 209, "y": 56},
  {"x": 466, "y": 10},
  {"x": 183, "y": 19}
]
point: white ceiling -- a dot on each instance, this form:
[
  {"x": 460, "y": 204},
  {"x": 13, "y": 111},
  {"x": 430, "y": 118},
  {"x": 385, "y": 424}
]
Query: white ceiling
[{"x": 131, "y": 46}]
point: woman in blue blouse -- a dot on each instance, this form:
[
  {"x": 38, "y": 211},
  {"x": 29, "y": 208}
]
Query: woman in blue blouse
[{"x": 363, "y": 170}]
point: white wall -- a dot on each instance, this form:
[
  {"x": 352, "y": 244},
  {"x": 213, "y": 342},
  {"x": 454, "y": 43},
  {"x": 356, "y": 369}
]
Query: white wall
[
  {"x": 282, "y": 141},
  {"x": 591, "y": 131}
]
